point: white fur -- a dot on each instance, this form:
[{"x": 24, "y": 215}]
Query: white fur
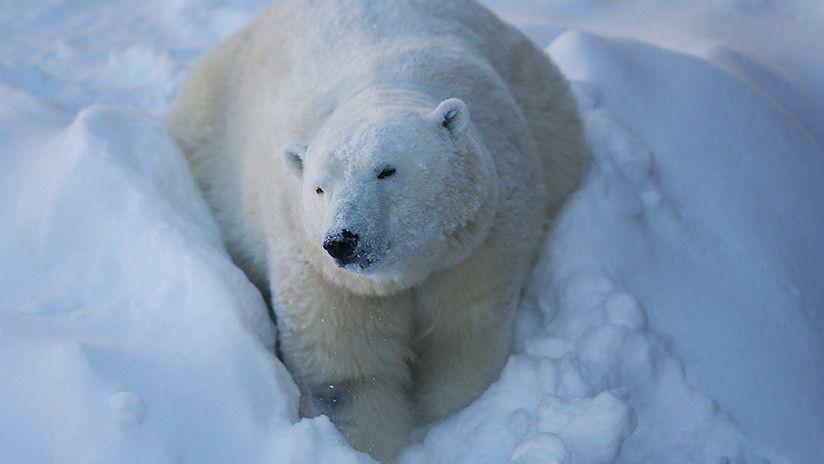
[{"x": 482, "y": 133}]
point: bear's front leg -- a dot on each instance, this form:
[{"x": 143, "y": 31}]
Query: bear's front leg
[
  {"x": 464, "y": 333},
  {"x": 374, "y": 415},
  {"x": 350, "y": 355},
  {"x": 459, "y": 360}
]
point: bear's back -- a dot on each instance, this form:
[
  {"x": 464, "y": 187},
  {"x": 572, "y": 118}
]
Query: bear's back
[
  {"x": 327, "y": 49},
  {"x": 324, "y": 23}
]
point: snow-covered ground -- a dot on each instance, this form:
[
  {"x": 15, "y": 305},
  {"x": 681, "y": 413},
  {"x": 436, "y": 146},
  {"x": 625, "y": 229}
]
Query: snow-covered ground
[{"x": 676, "y": 315}]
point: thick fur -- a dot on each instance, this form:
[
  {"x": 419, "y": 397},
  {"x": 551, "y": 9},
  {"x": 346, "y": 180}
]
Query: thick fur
[{"x": 344, "y": 87}]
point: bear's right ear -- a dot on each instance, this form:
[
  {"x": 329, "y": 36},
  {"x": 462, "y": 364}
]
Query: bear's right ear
[{"x": 293, "y": 154}]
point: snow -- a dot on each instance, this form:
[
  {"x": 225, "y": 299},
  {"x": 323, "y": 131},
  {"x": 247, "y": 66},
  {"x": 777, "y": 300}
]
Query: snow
[
  {"x": 676, "y": 314},
  {"x": 732, "y": 246}
]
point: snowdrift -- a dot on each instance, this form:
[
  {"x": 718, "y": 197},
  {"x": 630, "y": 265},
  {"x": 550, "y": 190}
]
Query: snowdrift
[
  {"x": 675, "y": 314},
  {"x": 722, "y": 237},
  {"x": 128, "y": 335}
]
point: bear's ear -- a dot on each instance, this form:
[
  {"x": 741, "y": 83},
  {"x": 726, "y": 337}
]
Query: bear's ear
[
  {"x": 293, "y": 154},
  {"x": 452, "y": 114}
]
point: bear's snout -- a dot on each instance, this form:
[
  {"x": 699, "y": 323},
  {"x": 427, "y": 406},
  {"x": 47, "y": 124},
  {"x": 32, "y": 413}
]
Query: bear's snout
[{"x": 341, "y": 246}]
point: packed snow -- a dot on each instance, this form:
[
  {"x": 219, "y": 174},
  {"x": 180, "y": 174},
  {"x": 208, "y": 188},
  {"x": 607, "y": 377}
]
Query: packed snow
[{"x": 676, "y": 313}]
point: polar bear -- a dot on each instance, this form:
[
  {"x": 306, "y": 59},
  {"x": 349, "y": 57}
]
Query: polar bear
[{"x": 387, "y": 170}]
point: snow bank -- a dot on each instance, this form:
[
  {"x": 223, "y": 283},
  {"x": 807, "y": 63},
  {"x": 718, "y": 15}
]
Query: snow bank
[
  {"x": 676, "y": 315},
  {"x": 724, "y": 241},
  {"x": 128, "y": 335}
]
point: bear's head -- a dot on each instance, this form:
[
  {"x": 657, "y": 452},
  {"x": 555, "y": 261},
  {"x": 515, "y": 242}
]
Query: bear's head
[{"x": 393, "y": 192}]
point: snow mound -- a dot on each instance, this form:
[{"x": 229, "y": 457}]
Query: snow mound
[
  {"x": 725, "y": 242},
  {"x": 128, "y": 335}
]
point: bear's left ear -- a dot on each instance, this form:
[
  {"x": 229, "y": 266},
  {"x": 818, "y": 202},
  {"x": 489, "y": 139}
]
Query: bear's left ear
[
  {"x": 452, "y": 114},
  {"x": 293, "y": 154}
]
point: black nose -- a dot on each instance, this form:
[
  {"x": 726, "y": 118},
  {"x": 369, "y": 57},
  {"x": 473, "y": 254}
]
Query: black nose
[{"x": 341, "y": 246}]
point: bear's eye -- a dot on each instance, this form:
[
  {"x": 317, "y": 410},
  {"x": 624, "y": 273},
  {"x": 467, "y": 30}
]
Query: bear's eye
[
  {"x": 386, "y": 173},
  {"x": 319, "y": 190}
]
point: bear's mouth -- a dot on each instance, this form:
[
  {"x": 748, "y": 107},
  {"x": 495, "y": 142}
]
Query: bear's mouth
[
  {"x": 354, "y": 263},
  {"x": 363, "y": 261}
]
